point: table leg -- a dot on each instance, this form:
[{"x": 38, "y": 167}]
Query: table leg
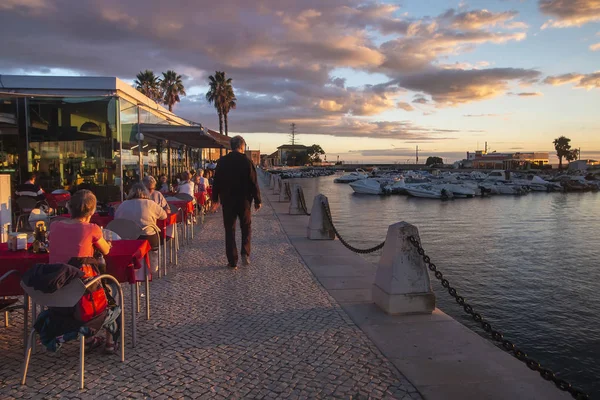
[
  {"x": 165, "y": 254},
  {"x": 176, "y": 245},
  {"x": 25, "y": 320},
  {"x": 33, "y": 319},
  {"x": 133, "y": 327},
  {"x": 137, "y": 296},
  {"x": 6, "y": 324},
  {"x": 147, "y": 283}
]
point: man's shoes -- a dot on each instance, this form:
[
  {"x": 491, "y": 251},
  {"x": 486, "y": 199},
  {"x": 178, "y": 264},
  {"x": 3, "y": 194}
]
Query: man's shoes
[
  {"x": 245, "y": 260},
  {"x": 232, "y": 266}
]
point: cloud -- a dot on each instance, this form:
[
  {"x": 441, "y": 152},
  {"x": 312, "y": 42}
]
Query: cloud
[
  {"x": 527, "y": 94},
  {"x": 405, "y": 106},
  {"x": 583, "y": 81},
  {"x": 481, "y": 115},
  {"x": 478, "y": 19},
  {"x": 454, "y": 87},
  {"x": 595, "y": 47},
  {"x": 420, "y": 99},
  {"x": 569, "y": 13}
]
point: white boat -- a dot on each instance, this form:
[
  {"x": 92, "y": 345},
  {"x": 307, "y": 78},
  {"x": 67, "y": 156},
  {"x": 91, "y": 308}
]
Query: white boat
[
  {"x": 367, "y": 186},
  {"x": 503, "y": 188},
  {"x": 352, "y": 176},
  {"x": 429, "y": 192},
  {"x": 459, "y": 190}
]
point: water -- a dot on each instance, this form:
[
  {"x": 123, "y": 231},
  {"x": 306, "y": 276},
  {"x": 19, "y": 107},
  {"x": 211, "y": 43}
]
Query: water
[{"x": 530, "y": 265}]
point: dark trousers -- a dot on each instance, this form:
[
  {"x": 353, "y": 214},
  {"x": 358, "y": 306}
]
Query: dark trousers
[{"x": 230, "y": 215}]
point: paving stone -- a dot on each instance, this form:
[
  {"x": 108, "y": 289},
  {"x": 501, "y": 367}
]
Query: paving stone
[{"x": 269, "y": 330}]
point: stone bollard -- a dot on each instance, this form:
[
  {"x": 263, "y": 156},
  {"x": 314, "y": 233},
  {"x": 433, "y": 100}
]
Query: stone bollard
[
  {"x": 402, "y": 284},
  {"x": 272, "y": 181},
  {"x": 284, "y": 193},
  {"x": 295, "y": 207},
  {"x": 277, "y": 186},
  {"x": 319, "y": 227}
]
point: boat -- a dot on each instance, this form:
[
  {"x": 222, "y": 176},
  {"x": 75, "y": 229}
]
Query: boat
[
  {"x": 352, "y": 176},
  {"x": 459, "y": 190},
  {"x": 503, "y": 188},
  {"x": 429, "y": 192},
  {"x": 367, "y": 186}
]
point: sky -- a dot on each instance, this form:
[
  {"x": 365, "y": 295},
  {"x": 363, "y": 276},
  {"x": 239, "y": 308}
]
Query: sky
[{"x": 367, "y": 80}]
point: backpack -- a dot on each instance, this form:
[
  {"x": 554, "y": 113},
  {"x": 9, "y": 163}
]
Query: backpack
[{"x": 94, "y": 301}]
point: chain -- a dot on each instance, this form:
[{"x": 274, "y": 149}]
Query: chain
[
  {"x": 494, "y": 334},
  {"x": 288, "y": 190},
  {"x": 302, "y": 201},
  {"x": 350, "y": 247}
]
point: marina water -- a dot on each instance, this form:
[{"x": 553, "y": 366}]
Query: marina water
[{"x": 529, "y": 264}]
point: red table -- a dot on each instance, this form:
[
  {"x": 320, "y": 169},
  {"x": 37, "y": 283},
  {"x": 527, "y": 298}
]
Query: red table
[
  {"x": 164, "y": 223},
  {"x": 100, "y": 220},
  {"x": 57, "y": 200},
  {"x": 124, "y": 258},
  {"x": 200, "y": 198},
  {"x": 186, "y": 206}
]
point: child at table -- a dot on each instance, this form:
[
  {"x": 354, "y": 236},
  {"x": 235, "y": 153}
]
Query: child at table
[{"x": 77, "y": 237}]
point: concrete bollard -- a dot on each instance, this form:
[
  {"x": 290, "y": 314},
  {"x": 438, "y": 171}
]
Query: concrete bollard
[
  {"x": 402, "y": 284},
  {"x": 295, "y": 208},
  {"x": 319, "y": 227},
  {"x": 272, "y": 181},
  {"x": 277, "y": 186},
  {"x": 284, "y": 193}
]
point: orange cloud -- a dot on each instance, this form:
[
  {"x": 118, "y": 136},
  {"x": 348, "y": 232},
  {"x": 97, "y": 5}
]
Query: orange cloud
[
  {"x": 583, "y": 81},
  {"x": 570, "y": 13},
  {"x": 595, "y": 47}
]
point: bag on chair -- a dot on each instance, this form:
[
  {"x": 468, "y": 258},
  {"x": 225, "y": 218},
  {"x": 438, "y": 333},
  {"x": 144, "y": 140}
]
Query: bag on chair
[{"x": 94, "y": 301}]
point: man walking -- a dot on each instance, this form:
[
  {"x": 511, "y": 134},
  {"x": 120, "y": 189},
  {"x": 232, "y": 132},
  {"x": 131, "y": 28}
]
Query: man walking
[{"x": 236, "y": 188}]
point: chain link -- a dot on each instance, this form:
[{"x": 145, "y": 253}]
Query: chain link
[
  {"x": 327, "y": 211},
  {"x": 288, "y": 190},
  {"x": 302, "y": 201},
  {"x": 496, "y": 335}
]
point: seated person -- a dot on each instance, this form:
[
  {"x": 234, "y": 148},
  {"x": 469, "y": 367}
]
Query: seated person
[
  {"x": 77, "y": 237},
  {"x": 200, "y": 182},
  {"x": 164, "y": 184},
  {"x": 31, "y": 189},
  {"x": 186, "y": 186},
  {"x": 140, "y": 209},
  {"x": 156, "y": 196}
]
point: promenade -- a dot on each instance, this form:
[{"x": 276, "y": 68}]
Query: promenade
[{"x": 266, "y": 331}]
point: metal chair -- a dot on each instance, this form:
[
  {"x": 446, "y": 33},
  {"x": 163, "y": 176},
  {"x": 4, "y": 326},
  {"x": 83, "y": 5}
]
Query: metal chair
[
  {"x": 9, "y": 304},
  {"x": 25, "y": 205},
  {"x": 68, "y": 296},
  {"x": 125, "y": 228}
]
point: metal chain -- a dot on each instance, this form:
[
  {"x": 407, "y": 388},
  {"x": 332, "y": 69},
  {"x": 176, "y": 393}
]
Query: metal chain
[
  {"x": 288, "y": 190},
  {"x": 302, "y": 201},
  {"x": 354, "y": 249},
  {"x": 494, "y": 334}
]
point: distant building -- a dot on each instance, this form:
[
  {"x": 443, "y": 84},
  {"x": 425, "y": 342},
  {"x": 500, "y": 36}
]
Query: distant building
[
  {"x": 288, "y": 150},
  {"x": 254, "y": 156},
  {"x": 583, "y": 165},
  {"x": 481, "y": 159}
]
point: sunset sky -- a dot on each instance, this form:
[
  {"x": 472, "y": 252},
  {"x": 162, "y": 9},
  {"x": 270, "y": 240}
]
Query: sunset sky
[{"x": 368, "y": 80}]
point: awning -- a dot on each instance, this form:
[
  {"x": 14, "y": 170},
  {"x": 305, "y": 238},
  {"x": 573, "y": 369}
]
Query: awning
[
  {"x": 223, "y": 140},
  {"x": 193, "y": 136}
]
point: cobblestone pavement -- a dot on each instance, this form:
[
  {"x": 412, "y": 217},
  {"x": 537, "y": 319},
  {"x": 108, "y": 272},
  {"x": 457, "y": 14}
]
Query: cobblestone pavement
[{"x": 264, "y": 331}]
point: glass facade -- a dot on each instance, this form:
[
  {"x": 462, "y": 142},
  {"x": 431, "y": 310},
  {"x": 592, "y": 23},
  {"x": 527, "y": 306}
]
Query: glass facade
[{"x": 75, "y": 142}]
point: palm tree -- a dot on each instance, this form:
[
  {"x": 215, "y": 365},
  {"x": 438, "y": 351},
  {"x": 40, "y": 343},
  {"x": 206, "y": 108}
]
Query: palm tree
[
  {"x": 221, "y": 95},
  {"x": 148, "y": 84},
  {"x": 172, "y": 87},
  {"x": 229, "y": 103},
  {"x": 563, "y": 149}
]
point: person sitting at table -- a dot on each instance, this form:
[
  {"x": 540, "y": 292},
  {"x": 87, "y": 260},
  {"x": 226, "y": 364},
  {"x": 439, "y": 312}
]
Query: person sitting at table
[
  {"x": 77, "y": 237},
  {"x": 201, "y": 184},
  {"x": 155, "y": 195},
  {"x": 186, "y": 186},
  {"x": 164, "y": 184},
  {"x": 31, "y": 189},
  {"x": 140, "y": 209}
]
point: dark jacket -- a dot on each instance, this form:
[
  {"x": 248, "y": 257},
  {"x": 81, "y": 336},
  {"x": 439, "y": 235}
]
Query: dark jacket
[
  {"x": 235, "y": 181},
  {"x": 48, "y": 278}
]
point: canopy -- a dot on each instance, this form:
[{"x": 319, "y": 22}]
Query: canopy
[{"x": 193, "y": 136}]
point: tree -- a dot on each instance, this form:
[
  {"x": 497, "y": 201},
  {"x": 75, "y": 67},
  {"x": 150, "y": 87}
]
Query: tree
[
  {"x": 172, "y": 87},
  {"x": 222, "y": 96},
  {"x": 148, "y": 84},
  {"x": 572, "y": 155},
  {"x": 433, "y": 161},
  {"x": 314, "y": 152},
  {"x": 563, "y": 149}
]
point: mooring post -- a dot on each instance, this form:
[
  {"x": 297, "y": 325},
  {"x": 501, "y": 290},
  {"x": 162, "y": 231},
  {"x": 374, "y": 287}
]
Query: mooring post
[
  {"x": 277, "y": 186},
  {"x": 402, "y": 284},
  {"x": 271, "y": 181},
  {"x": 319, "y": 227},
  {"x": 284, "y": 194},
  {"x": 295, "y": 206}
]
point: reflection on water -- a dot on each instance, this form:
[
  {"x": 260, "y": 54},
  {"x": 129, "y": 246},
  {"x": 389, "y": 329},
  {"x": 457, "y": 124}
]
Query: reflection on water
[{"x": 529, "y": 264}]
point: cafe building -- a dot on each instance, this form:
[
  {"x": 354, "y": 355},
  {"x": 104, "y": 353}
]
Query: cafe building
[{"x": 97, "y": 133}]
